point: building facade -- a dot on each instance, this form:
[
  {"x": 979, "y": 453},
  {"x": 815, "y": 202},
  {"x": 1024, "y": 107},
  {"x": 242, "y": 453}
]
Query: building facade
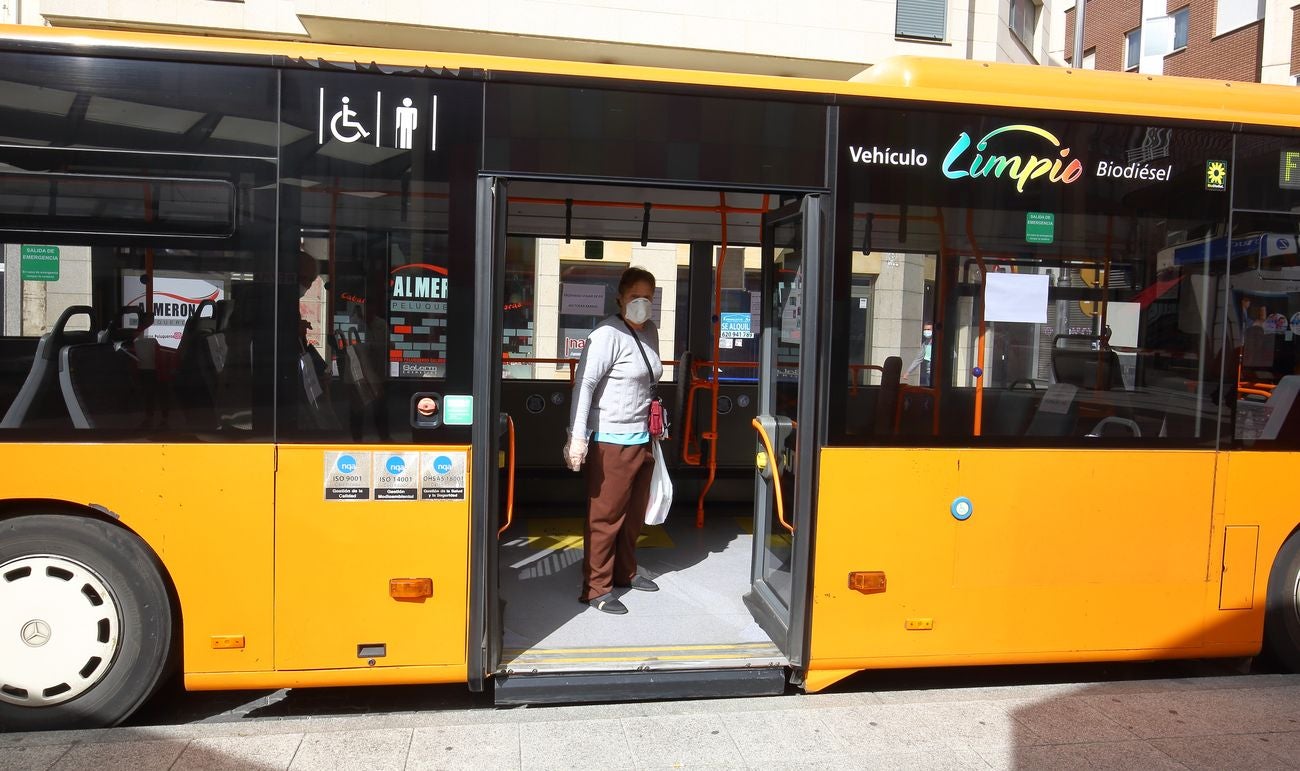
[
  {"x": 1241, "y": 40},
  {"x": 816, "y": 38}
]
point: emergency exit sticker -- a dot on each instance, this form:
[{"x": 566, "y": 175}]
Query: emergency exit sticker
[
  {"x": 347, "y": 476},
  {"x": 396, "y": 475},
  {"x": 1040, "y": 227},
  {"x": 442, "y": 476}
]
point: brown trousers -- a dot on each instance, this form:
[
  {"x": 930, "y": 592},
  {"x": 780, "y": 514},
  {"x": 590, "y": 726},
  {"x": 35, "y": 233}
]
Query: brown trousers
[{"x": 618, "y": 492}]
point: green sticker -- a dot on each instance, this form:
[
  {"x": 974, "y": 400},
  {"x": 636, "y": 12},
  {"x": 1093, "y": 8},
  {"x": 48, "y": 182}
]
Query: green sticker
[
  {"x": 1216, "y": 175},
  {"x": 40, "y": 263},
  {"x": 1040, "y": 227},
  {"x": 458, "y": 410}
]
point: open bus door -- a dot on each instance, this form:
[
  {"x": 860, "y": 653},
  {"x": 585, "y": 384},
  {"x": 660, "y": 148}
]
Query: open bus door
[
  {"x": 485, "y": 606},
  {"x": 787, "y": 424}
]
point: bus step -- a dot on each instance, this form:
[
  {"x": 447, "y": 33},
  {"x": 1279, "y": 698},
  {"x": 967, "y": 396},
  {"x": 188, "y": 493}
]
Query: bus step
[{"x": 644, "y": 685}]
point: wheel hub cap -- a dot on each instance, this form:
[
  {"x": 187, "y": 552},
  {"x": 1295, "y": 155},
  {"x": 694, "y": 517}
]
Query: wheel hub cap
[
  {"x": 60, "y": 629},
  {"x": 36, "y": 633}
]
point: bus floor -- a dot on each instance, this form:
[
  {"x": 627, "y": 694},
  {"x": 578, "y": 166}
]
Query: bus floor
[{"x": 696, "y": 620}]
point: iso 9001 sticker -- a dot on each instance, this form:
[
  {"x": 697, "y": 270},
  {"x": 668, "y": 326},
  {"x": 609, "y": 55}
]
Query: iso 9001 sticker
[{"x": 347, "y": 476}]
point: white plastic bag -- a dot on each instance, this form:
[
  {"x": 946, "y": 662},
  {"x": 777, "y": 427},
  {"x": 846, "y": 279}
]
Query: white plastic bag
[{"x": 661, "y": 490}]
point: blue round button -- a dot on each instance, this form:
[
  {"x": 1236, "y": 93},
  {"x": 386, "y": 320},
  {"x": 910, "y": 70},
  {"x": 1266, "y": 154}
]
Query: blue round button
[{"x": 962, "y": 508}]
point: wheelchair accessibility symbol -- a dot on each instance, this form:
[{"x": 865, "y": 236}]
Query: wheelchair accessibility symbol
[{"x": 347, "y": 117}]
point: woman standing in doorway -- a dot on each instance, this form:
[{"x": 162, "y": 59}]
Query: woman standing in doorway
[{"x": 611, "y": 402}]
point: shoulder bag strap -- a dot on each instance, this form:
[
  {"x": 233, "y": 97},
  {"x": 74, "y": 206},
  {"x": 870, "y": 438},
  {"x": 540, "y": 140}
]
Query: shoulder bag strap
[{"x": 653, "y": 389}]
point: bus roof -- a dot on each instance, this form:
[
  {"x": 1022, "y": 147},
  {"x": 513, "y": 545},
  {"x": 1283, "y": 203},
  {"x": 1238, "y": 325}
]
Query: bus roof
[{"x": 941, "y": 81}]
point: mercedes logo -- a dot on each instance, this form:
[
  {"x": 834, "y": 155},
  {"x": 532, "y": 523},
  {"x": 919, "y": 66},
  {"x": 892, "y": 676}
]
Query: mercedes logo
[{"x": 35, "y": 633}]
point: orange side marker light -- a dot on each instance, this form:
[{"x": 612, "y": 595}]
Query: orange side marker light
[
  {"x": 867, "y": 581},
  {"x": 410, "y": 588}
]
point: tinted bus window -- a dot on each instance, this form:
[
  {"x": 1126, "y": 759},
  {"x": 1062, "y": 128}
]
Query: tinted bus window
[
  {"x": 377, "y": 251},
  {"x": 646, "y": 136},
  {"x": 74, "y": 101},
  {"x": 138, "y": 242},
  {"x": 1030, "y": 282},
  {"x": 1262, "y": 266}
]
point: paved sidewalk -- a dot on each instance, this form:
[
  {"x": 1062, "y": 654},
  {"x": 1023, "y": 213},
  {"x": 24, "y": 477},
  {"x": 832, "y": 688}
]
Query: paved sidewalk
[{"x": 1206, "y": 722}]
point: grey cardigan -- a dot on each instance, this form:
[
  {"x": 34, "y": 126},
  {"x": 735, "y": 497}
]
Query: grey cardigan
[{"x": 611, "y": 389}]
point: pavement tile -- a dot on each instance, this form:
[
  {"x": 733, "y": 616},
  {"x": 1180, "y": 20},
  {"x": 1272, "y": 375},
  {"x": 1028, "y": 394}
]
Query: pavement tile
[
  {"x": 1221, "y": 752},
  {"x": 362, "y": 750},
  {"x": 1116, "y": 756},
  {"x": 491, "y": 745},
  {"x": 239, "y": 752},
  {"x": 34, "y": 758},
  {"x": 766, "y": 738},
  {"x": 992, "y": 693},
  {"x": 677, "y": 741},
  {"x": 137, "y": 756},
  {"x": 949, "y": 759},
  {"x": 1066, "y": 720},
  {"x": 883, "y": 729},
  {"x": 1155, "y": 715},
  {"x": 1283, "y": 745},
  {"x": 977, "y": 724},
  {"x": 578, "y": 744}
]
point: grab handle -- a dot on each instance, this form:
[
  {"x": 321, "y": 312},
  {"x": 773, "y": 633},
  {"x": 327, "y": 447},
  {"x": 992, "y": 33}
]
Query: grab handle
[{"x": 775, "y": 467}]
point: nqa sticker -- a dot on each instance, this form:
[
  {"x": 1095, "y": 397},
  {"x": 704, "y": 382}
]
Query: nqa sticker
[
  {"x": 396, "y": 476},
  {"x": 347, "y": 476},
  {"x": 442, "y": 476}
]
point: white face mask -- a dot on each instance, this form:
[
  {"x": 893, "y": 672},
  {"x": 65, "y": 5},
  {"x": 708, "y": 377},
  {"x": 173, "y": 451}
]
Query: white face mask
[
  {"x": 927, "y": 334},
  {"x": 637, "y": 311}
]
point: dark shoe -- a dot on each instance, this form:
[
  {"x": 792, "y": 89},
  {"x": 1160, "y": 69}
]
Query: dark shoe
[
  {"x": 642, "y": 584},
  {"x": 607, "y": 603}
]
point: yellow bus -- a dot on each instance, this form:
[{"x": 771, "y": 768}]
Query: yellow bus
[{"x": 970, "y": 364}]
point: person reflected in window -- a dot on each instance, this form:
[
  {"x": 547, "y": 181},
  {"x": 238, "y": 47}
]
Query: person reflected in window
[
  {"x": 611, "y": 402},
  {"x": 921, "y": 364}
]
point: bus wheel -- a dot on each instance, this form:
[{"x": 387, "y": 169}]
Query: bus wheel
[
  {"x": 1282, "y": 615},
  {"x": 85, "y": 623}
]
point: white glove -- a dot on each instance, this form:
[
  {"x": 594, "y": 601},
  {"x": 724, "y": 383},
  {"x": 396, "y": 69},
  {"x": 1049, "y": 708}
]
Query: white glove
[{"x": 575, "y": 452}]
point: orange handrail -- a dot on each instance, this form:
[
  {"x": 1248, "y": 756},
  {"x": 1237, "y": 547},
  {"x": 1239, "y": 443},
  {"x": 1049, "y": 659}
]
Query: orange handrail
[
  {"x": 510, "y": 477},
  {"x": 979, "y": 356},
  {"x": 776, "y": 474},
  {"x": 712, "y": 433}
]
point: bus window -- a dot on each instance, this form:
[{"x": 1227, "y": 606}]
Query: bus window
[
  {"x": 377, "y": 204},
  {"x": 556, "y": 293},
  {"x": 1056, "y": 313},
  {"x": 1263, "y": 302}
]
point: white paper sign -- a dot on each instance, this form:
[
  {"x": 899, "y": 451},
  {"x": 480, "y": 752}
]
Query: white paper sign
[
  {"x": 582, "y": 299},
  {"x": 1058, "y": 398},
  {"x": 1018, "y": 297}
]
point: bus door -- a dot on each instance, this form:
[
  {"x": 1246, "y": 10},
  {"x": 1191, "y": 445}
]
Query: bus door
[{"x": 786, "y": 424}]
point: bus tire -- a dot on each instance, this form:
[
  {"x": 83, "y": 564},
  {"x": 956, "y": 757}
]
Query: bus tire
[
  {"x": 85, "y": 623},
  {"x": 1282, "y": 606}
]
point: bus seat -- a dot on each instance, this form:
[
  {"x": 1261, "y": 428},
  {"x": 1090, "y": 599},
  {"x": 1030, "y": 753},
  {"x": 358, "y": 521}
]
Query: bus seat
[
  {"x": 1008, "y": 412},
  {"x": 915, "y": 412},
  {"x": 39, "y": 401},
  {"x": 887, "y": 397},
  {"x": 1077, "y": 362},
  {"x": 99, "y": 386},
  {"x": 202, "y": 356},
  {"x": 1056, "y": 413}
]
